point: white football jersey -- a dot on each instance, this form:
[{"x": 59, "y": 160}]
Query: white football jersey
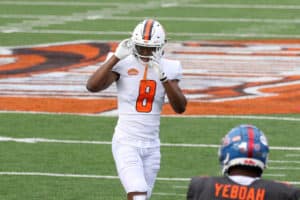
[{"x": 140, "y": 99}]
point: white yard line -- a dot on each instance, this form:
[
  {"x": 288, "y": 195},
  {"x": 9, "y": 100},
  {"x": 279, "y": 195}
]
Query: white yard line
[
  {"x": 255, "y": 117},
  {"x": 246, "y": 117},
  {"x": 81, "y": 175},
  {"x": 45, "y": 140},
  {"x": 28, "y": 25},
  {"x": 173, "y": 4},
  {"x": 58, "y": 3},
  {"x": 127, "y": 33},
  {"x": 284, "y": 168},
  {"x": 66, "y": 175},
  {"x": 284, "y": 161},
  {"x": 241, "y": 6},
  {"x": 292, "y": 155},
  {"x": 168, "y": 194},
  {"x": 182, "y": 19}
]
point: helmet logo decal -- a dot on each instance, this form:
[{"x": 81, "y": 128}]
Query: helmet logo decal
[
  {"x": 148, "y": 29},
  {"x": 263, "y": 140},
  {"x": 249, "y": 162},
  {"x": 236, "y": 138},
  {"x": 132, "y": 72},
  {"x": 243, "y": 147}
]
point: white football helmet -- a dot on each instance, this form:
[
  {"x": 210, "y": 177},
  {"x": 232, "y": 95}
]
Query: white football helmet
[{"x": 148, "y": 37}]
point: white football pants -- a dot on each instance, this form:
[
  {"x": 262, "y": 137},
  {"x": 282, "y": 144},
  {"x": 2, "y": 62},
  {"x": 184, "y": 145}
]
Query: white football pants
[{"x": 137, "y": 167}]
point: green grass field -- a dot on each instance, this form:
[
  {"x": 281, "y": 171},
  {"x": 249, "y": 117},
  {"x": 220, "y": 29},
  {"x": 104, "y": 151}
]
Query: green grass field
[
  {"x": 72, "y": 158},
  {"x": 72, "y": 163},
  {"x": 41, "y": 21}
]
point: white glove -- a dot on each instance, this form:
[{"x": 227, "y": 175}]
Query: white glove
[
  {"x": 124, "y": 49},
  {"x": 155, "y": 63}
]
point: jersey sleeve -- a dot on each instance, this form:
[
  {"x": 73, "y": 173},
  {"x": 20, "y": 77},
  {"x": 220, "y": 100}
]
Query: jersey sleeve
[
  {"x": 296, "y": 193},
  {"x": 195, "y": 188}
]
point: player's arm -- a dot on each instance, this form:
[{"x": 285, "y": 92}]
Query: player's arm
[
  {"x": 104, "y": 76},
  {"x": 176, "y": 98}
]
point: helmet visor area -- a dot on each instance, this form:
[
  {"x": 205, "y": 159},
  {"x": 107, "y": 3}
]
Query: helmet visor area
[{"x": 145, "y": 52}]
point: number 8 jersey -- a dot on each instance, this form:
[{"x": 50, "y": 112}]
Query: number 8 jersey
[{"x": 140, "y": 99}]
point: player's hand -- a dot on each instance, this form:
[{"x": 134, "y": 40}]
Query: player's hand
[
  {"x": 124, "y": 49},
  {"x": 155, "y": 63}
]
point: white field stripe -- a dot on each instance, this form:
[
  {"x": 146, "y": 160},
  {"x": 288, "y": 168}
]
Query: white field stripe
[
  {"x": 175, "y": 4},
  {"x": 94, "y": 176},
  {"x": 81, "y": 176},
  {"x": 180, "y": 116},
  {"x": 284, "y": 161},
  {"x": 168, "y": 194},
  {"x": 246, "y": 117},
  {"x": 274, "y": 175},
  {"x": 292, "y": 155},
  {"x": 183, "y": 19},
  {"x": 283, "y": 168},
  {"x": 37, "y": 140},
  {"x": 58, "y": 3},
  {"x": 128, "y": 33},
  {"x": 58, "y": 175},
  {"x": 252, "y": 6}
]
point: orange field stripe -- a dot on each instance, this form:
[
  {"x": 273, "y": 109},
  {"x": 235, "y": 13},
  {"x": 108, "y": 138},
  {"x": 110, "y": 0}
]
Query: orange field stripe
[{"x": 57, "y": 105}]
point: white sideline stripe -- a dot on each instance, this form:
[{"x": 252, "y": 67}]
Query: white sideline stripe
[
  {"x": 95, "y": 176},
  {"x": 78, "y": 32},
  {"x": 184, "y": 19},
  {"x": 37, "y": 140},
  {"x": 175, "y": 4}
]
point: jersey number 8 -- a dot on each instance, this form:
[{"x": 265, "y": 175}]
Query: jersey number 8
[{"x": 146, "y": 96}]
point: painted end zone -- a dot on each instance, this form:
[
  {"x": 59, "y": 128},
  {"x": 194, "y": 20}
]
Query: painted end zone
[{"x": 220, "y": 77}]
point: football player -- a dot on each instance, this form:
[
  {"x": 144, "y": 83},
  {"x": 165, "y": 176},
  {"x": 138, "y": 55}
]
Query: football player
[
  {"x": 143, "y": 79},
  {"x": 243, "y": 156}
]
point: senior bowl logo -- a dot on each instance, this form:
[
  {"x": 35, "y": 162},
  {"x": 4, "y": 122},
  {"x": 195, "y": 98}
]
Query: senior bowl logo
[
  {"x": 219, "y": 77},
  {"x": 26, "y": 61}
]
